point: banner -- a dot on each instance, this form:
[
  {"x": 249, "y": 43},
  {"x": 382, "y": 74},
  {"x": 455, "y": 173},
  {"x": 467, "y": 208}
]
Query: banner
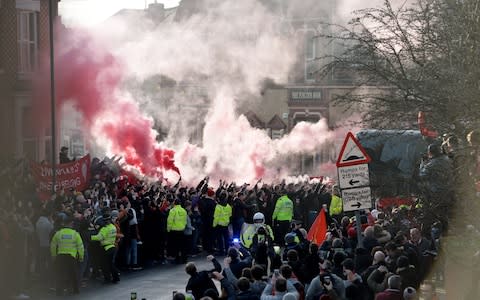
[{"x": 73, "y": 175}]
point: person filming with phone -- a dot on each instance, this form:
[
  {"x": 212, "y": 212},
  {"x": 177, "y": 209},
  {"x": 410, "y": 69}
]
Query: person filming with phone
[
  {"x": 278, "y": 287},
  {"x": 326, "y": 283}
]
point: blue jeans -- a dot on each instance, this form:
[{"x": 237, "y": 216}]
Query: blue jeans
[{"x": 132, "y": 252}]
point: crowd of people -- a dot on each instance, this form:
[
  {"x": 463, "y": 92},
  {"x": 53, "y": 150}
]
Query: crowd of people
[{"x": 124, "y": 224}]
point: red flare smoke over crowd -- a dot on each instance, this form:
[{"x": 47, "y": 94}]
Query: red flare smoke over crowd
[{"x": 90, "y": 77}]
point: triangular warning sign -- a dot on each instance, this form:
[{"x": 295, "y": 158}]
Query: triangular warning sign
[{"x": 352, "y": 153}]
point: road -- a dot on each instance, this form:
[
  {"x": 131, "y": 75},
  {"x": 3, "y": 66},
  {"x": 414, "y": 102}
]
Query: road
[{"x": 155, "y": 283}]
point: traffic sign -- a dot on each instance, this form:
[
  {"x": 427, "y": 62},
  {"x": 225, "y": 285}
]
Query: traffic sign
[
  {"x": 352, "y": 153},
  {"x": 353, "y": 176},
  {"x": 357, "y": 198}
]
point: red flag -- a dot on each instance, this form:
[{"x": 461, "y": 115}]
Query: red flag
[{"x": 317, "y": 232}]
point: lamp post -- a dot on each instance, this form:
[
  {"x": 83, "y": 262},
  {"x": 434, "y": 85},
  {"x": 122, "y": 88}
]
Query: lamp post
[{"x": 51, "y": 16}]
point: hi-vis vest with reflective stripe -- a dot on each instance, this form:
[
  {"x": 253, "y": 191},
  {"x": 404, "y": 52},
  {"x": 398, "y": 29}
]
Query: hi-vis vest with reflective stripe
[
  {"x": 249, "y": 230},
  {"x": 67, "y": 241},
  {"x": 336, "y": 206},
  {"x": 106, "y": 236},
  {"x": 177, "y": 219},
  {"x": 283, "y": 209},
  {"x": 222, "y": 215}
]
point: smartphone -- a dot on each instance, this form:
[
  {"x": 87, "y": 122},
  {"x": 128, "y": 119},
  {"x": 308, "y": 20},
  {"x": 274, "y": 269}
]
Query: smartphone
[
  {"x": 276, "y": 273},
  {"x": 276, "y": 249}
]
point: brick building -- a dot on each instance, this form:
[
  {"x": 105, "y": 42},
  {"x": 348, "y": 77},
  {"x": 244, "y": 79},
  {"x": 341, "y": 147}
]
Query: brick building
[{"x": 24, "y": 35}]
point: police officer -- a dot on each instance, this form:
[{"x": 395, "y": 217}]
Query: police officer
[
  {"x": 221, "y": 220},
  {"x": 336, "y": 205},
  {"x": 107, "y": 236},
  {"x": 176, "y": 223},
  {"x": 66, "y": 248},
  {"x": 249, "y": 231},
  {"x": 282, "y": 216}
]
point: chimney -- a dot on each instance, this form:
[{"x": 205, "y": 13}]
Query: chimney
[{"x": 156, "y": 11}]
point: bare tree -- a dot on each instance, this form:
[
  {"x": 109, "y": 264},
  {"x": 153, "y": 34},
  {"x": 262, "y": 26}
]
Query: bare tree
[{"x": 428, "y": 54}]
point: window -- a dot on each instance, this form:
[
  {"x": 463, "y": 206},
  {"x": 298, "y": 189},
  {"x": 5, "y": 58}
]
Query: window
[
  {"x": 310, "y": 55},
  {"x": 27, "y": 34},
  {"x": 310, "y": 41}
]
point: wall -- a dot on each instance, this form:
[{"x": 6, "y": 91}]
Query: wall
[{"x": 15, "y": 92}]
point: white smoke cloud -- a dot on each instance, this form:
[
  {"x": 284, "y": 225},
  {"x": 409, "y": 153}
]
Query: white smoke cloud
[{"x": 226, "y": 50}]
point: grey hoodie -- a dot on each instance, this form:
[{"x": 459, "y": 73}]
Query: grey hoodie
[{"x": 316, "y": 287}]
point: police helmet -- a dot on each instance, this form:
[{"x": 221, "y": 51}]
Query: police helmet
[{"x": 258, "y": 217}]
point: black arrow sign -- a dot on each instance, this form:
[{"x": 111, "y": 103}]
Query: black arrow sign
[
  {"x": 358, "y": 204},
  {"x": 352, "y": 182}
]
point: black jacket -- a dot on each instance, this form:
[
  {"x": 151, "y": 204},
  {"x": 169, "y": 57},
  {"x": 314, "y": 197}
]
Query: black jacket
[
  {"x": 238, "y": 265},
  {"x": 201, "y": 281},
  {"x": 248, "y": 295}
]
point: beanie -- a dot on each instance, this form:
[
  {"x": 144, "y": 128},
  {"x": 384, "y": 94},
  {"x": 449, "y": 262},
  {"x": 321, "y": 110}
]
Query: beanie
[{"x": 210, "y": 192}]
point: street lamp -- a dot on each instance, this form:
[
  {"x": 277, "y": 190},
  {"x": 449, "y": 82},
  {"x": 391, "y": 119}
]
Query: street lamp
[{"x": 51, "y": 16}]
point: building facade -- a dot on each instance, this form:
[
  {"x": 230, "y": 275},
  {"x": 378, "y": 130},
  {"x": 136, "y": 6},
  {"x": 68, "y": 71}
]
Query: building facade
[
  {"x": 24, "y": 35},
  {"x": 305, "y": 97}
]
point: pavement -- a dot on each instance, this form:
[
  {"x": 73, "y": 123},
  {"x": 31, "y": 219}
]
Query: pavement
[{"x": 154, "y": 283}]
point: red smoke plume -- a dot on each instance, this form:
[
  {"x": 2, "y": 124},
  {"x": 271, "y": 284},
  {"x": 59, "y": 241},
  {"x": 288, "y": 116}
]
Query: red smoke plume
[
  {"x": 258, "y": 166},
  {"x": 90, "y": 76}
]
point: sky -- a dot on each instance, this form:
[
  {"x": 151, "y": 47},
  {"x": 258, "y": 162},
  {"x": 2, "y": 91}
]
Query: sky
[{"x": 91, "y": 12}]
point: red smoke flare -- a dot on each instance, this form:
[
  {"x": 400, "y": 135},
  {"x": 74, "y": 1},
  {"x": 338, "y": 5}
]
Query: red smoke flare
[
  {"x": 89, "y": 76},
  {"x": 258, "y": 166}
]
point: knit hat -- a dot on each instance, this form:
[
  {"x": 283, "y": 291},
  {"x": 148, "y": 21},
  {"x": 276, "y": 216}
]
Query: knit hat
[
  {"x": 210, "y": 192},
  {"x": 352, "y": 232}
]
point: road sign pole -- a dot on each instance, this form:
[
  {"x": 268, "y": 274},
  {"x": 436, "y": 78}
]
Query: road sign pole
[
  {"x": 354, "y": 180},
  {"x": 358, "y": 225}
]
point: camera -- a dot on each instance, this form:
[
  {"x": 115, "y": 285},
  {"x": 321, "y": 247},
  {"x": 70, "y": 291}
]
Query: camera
[
  {"x": 261, "y": 231},
  {"x": 325, "y": 279}
]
